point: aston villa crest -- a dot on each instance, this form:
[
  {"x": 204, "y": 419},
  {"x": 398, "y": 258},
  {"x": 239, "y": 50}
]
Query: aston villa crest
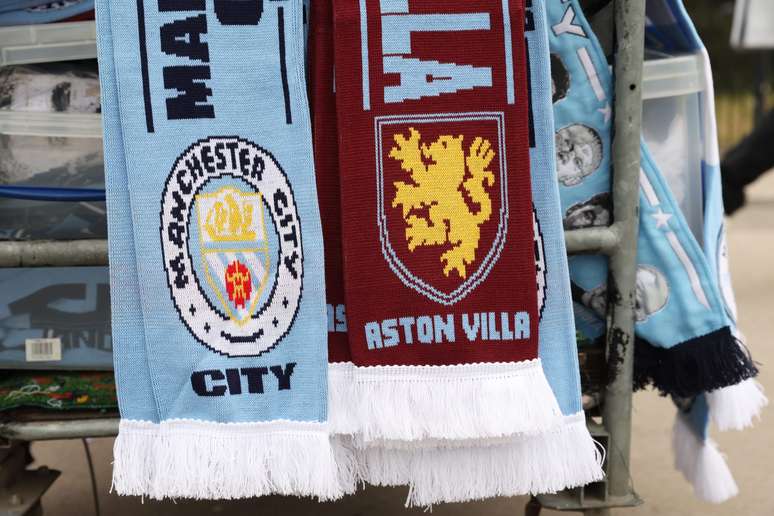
[
  {"x": 443, "y": 204},
  {"x": 231, "y": 241}
]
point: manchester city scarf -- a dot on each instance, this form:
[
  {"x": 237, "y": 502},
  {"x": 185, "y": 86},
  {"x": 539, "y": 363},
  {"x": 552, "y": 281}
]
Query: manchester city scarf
[
  {"x": 133, "y": 467},
  {"x": 437, "y": 221},
  {"x": 228, "y": 242},
  {"x": 709, "y": 360},
  {"x": 679, "y": 310},
  {"x": 670, "y": 31},
  {"x": 45, "y": 12}
]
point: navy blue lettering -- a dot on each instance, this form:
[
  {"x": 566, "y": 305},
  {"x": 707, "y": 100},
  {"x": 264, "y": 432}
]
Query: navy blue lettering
[
  {"x": 200, "y": 384},
  {"x": 254, "y": 377},
  {"x": 283, "y": 377},
  {"x": 192, "y": 100},
  {"x": 183, "y": 38}
]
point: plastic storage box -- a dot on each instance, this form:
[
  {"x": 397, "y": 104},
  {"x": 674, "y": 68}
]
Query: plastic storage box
[
  {"x": 671, "y": 121},
  {"x": 55, "y": 318},
  {"x": 50, "y": 137},
  {"x": 47, "y": 43}
]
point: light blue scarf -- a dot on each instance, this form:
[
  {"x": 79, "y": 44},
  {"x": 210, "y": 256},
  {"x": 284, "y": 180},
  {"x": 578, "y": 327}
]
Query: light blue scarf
[
  {"x": 670, "y": 31},
  {"x": 680, "y": 311},
  {"x": 220, "y": 350},
  {"x": 685, "y": 337}
]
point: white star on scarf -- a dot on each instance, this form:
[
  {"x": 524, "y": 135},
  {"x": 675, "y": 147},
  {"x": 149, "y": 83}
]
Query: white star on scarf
[{"x": 662, "y": 219}]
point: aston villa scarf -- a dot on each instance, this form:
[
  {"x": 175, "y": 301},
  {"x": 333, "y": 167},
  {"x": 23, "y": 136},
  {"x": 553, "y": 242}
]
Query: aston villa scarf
[
  {"x": 325, "y": 136},
  {"x": 215, "y": 160},
  {"x": 564, "y": 456},
  {"x": 437, "y": 220}
]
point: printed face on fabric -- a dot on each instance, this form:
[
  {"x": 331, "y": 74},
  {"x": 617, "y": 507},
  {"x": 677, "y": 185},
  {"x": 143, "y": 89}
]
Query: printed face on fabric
[
  {"x": 578, "y": 153},
  {"x": 232, "y": 246},
  {"x": 448, "y": 125}
]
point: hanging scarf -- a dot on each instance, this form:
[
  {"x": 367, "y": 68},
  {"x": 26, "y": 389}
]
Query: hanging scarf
[
  {"x": 232, "y": 310},
  {"x": 695, "y": 348},
  {"x": 670, "y": 31},
  {"x": 679, "y": 311},
  {"x": 133, "y": 462},
  {"x": 453, "y": 463},
  {"x": 436, "y": 219}
]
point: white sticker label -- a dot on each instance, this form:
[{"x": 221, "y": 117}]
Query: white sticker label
[{"x": 43, "y": 350}]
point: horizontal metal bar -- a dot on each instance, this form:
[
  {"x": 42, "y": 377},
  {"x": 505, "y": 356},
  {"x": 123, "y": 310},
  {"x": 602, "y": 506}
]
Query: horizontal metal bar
[
  {"x": 65, "y": 429},
  {"x": 601, "y": 240},
  {"x": 42, "y": 253}
]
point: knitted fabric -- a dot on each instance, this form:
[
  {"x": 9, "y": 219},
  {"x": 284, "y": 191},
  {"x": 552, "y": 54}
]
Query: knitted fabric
[
  {"x": 133, "y": 467},
  {"x": 326, "y": 156},
  {"x": 560, "y": 457},
  {"x": 437, "y": 220},
  {"x": 232, "y": 298}
]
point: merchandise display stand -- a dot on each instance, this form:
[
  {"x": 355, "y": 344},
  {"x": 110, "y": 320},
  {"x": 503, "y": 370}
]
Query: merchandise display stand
[
  {"x": 619, "y": 243},
  {"x": 21, "y": 489}
]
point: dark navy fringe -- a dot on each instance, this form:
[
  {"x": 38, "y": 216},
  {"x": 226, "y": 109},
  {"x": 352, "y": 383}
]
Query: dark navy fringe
[{"x": 698, "y": 365}]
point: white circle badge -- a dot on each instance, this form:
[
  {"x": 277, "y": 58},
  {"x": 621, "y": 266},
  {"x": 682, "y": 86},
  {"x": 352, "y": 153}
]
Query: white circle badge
[{"x": 231, "y": 244}]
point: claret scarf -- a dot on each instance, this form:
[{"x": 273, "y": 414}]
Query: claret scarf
[
  {"x": 439, "y": 397},
  {"x": 437, "y": 220},
  {"x": 212, "y": 202}
]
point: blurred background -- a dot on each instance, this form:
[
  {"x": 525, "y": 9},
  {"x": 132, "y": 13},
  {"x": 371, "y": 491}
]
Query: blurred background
[{"x": 742, "y": 79}]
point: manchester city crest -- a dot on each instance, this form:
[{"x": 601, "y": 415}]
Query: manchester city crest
[{"x": 231, "y": 242}]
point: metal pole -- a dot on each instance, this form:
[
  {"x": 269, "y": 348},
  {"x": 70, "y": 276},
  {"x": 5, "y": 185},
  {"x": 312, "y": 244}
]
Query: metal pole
[
  {"x": 41, "y": 253},
  {"x": 629, "y": 28},
  {"x": 65, "y": 429},
  {"x": 592, "y": 240}
]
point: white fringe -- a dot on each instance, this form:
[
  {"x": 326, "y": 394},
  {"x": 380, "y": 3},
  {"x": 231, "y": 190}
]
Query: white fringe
[
  {"x": 738, "y": 406},
  {"x": 702, "y": 464},
  {"x": 342, "y": 413},
  {"x": 206, "y": 460},
  {"x": 563, "y": 457},
  {"x": 133, "y": 457},
  {"x": 469, "y": 401}
]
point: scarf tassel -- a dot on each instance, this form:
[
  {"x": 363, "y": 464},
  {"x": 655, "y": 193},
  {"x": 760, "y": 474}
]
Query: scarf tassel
[
  {"x": 702, "y": 464},
  {"x": 206, "y": 460},
  {"x": 705, "y": 363},
  {"x": 470, "y": 401},
  {"x": 561, "y": 458},
  {"x": 738, "y": 406}
]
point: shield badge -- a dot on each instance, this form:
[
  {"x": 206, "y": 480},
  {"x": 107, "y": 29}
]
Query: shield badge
[
  {"x": 234, "y": 249},
  {"x": 442, "y": 199}
]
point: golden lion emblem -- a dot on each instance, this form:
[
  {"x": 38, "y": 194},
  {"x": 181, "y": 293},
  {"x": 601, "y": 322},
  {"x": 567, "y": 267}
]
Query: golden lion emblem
[{"x": 437, "y": 190}]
